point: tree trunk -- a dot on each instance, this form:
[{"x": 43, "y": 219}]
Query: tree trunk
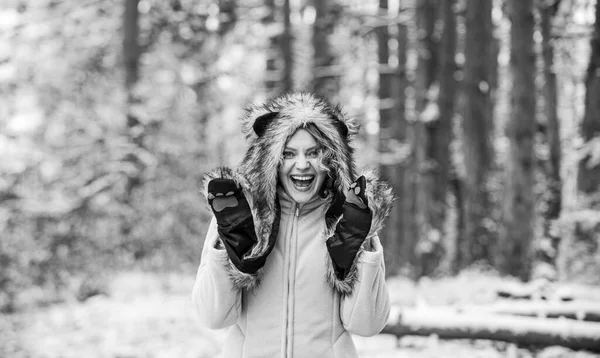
[
  {"x": 440, "y": 133},
  {"x": 475, "y": 241},
  {"x": 542, "y": 290},
  {"x": 582, "y": 311},
  {"x": 131, "y": 54},
  {"x": 279, "y": 57},
  {"x": 588, "y": 179},
  {"x": 227, "y": 16},
  {"x": 272, "y": 75},
  {"x": 287, "y": 49},
  {"x": 392, "y": 135},
  {"x": 551, "y": 100},
  {"x": 517, "y": 232},
  {"x": 325, "y": 80},
  {"x": 425, "y": 107},
  {"x": 554, "y": 184},
  {"x": 520, "y": 330}
]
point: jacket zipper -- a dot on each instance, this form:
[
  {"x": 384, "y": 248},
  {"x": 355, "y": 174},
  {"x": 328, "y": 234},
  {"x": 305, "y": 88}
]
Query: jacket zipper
[{"x": 287, "y": 298}]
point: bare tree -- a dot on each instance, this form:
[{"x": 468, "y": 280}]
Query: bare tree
[
  {"x": 440, "y": 132},
  {"x": 517, "y": 231},
  {"x": 553, "y": 197},
  {"x": 588, "y": 179},
  {"x": 286, "y": 48},
  {"x": 131, "y": 54},
  {"x": 279, "y": 57},
  {"x": 131, "y": 47},
  {"x": 325, "y": 81},
  {"x": 474, "y": 241},
  {"x": 392, "y": 137},
  {"x": 426, "y": 90},
  {"x": 227, "y": 16},
  {"x": 271, "y": 76}
]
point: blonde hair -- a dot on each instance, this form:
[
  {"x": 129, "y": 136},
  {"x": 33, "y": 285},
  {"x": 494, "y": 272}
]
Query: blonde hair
[{"x": 325, "y": 152}]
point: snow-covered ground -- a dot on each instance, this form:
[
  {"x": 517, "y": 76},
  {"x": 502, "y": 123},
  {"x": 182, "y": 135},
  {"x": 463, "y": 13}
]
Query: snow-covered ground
[{"x": 150, "y": 316}]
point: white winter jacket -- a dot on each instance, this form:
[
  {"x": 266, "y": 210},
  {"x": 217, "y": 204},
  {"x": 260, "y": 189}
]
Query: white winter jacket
[
  {"x": 294, "y": 312},
  {"x": 296, "y": 305}
]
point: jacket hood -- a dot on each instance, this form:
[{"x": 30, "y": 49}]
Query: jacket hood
[{"x": 267, "y": 128}]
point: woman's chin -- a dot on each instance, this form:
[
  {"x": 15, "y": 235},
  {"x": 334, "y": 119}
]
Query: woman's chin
[{"x": 301, "y": 197}]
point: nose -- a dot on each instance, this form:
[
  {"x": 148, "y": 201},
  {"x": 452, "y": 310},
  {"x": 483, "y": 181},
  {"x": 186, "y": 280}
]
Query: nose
[{"x": 302, "y": 163}]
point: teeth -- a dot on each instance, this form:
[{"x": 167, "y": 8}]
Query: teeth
[{"x": 302, "y": 177}]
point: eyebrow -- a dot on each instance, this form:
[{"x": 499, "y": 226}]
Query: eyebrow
[{"x": 307, "y": 149}]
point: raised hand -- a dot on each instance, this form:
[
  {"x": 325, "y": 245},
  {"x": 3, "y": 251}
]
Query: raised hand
[
  {"x": 234, "y": 222},
  {"x": 353, "y": 227}
]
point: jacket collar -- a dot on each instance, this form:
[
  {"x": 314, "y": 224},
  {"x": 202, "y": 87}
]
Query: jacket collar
[{"x": 288, "y": 204}]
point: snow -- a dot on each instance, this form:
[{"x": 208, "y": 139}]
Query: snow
[{"x": 149, "y": 315}]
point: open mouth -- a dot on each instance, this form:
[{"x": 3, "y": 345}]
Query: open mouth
[{"x": 302, "y": 181}]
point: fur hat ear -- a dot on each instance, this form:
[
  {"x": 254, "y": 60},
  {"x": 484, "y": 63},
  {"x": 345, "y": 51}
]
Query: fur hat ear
[
  {"x": 261, "y": 123},
  {"x": 341, "y": 126}
]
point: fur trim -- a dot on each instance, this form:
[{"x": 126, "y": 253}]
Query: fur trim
[
  {"x": 285, "y": 115},
  {"x": 344, "y": 287},
  {"x": 381, "y": 198},
  {"x": 262, "y": 159},
  {"x": 227, "y": 173},
  {"x": 240, "y": 280}
]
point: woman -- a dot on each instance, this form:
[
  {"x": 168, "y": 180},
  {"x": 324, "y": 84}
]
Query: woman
[{"x": 291, "y": 262}]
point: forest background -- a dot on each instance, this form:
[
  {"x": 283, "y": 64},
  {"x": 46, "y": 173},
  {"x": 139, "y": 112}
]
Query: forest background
[{"x": 483, "y": 115}]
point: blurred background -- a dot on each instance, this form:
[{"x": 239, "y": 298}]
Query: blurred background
[{"x": 484, "y": 115}]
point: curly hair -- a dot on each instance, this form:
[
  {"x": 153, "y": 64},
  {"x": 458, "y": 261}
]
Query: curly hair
[{"x": 326, "y": 156}]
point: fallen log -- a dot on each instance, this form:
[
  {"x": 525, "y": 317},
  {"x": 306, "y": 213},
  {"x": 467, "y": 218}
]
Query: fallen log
[
  {"x": 446, "y": 324},
  {"x": 582, "y": 311},
  {"x": 545, "y": 290},
  {"x": 526, "y": 294},
  {"x": 535, "y": 290}
]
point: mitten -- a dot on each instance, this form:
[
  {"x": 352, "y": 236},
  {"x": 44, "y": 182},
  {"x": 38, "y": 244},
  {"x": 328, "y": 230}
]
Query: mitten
[
  {"x": 235, "y": 224},
  {"x": 351, "y": 229}
]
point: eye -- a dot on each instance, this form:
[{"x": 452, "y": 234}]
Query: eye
[
  {"x": 288, "y": 154},
  {"x": 313, "y": 153}
]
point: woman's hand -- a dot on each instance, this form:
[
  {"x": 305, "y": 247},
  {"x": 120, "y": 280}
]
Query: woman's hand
[
  {"x": 234, "y": 223},
  {"x": 353, "y": 227}
]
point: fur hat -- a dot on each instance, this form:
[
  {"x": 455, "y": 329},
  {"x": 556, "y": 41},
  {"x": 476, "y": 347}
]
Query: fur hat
[{"x": 267, "y": 128}]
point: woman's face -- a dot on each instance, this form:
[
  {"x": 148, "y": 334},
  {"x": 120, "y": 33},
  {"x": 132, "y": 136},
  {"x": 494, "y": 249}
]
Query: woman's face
[{"x": 300, "y": 173}]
